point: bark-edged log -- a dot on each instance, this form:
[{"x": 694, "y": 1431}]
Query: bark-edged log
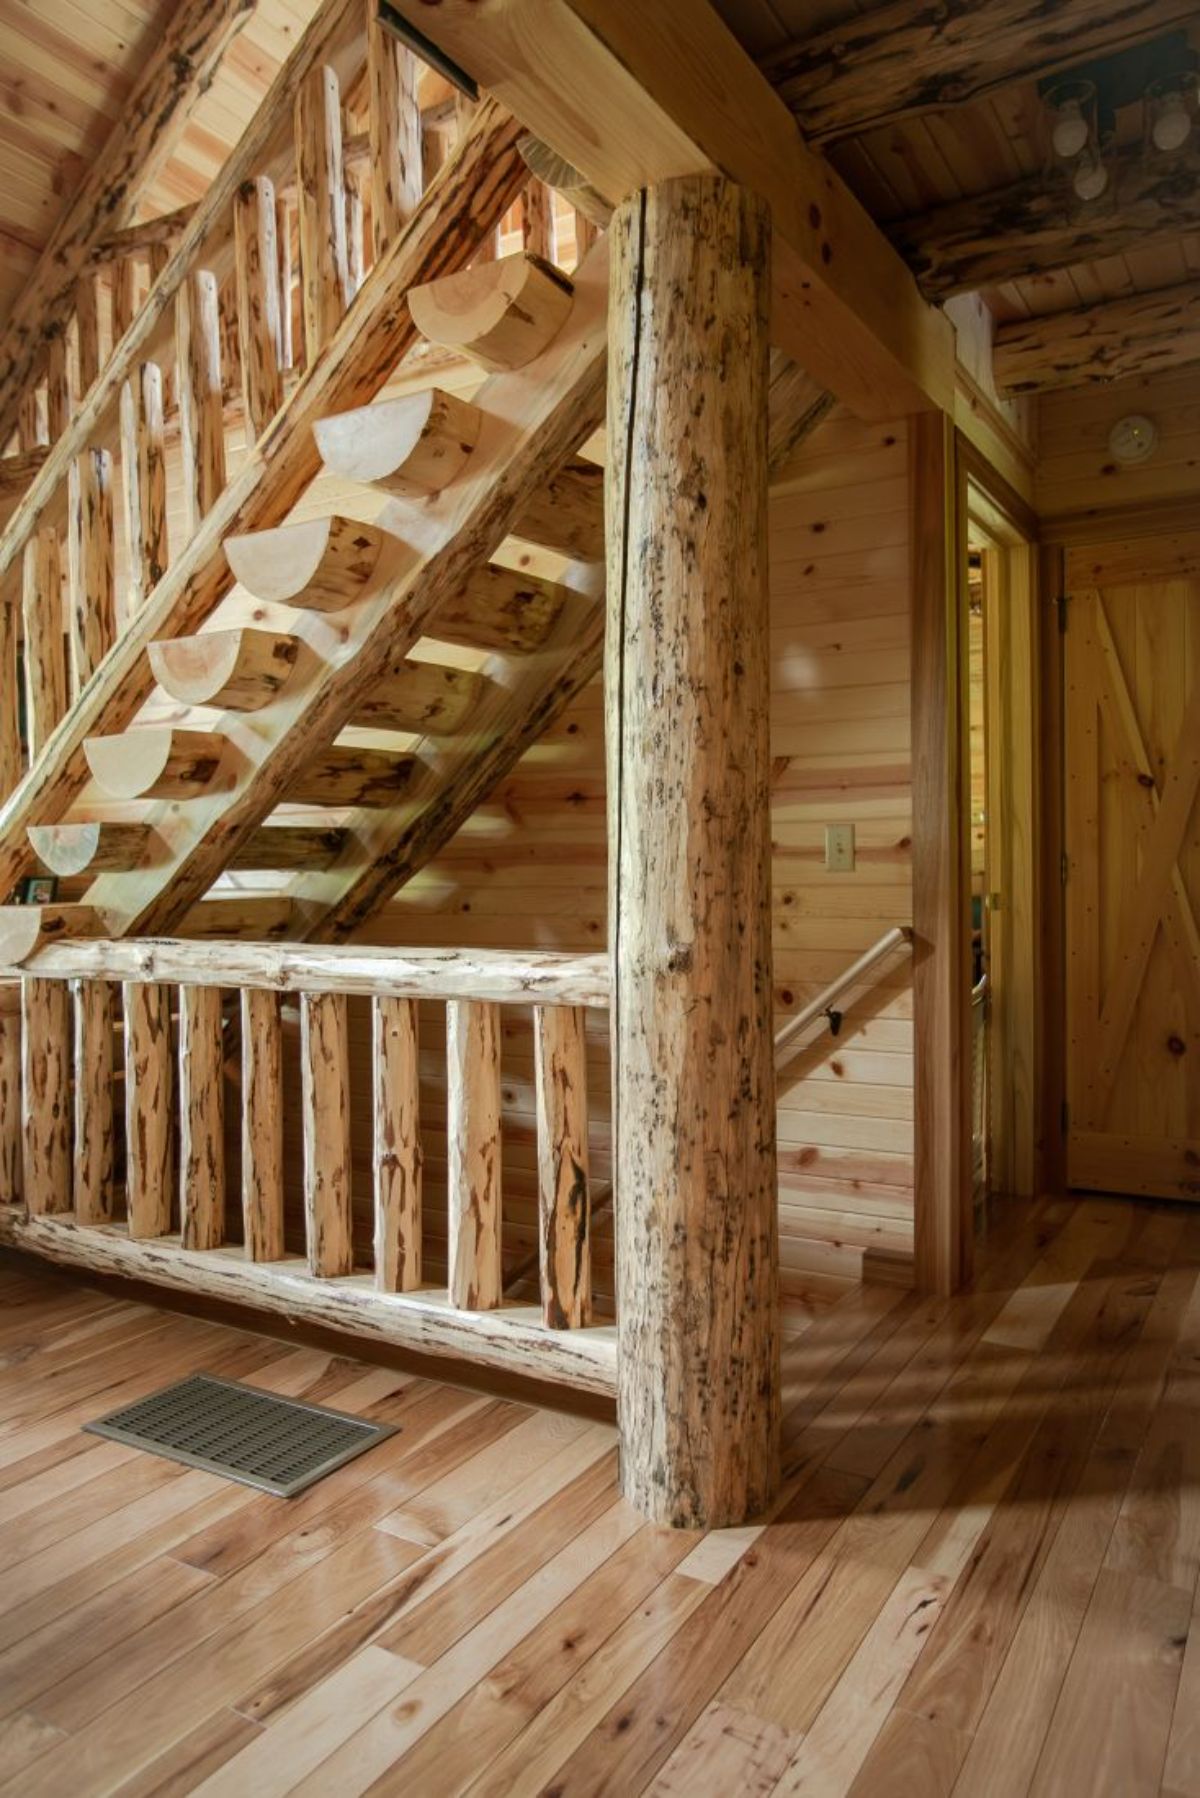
[
  {"x": 149, "y": 1115},
  {"x": 46, "y": 1095},
  {"x": 325, "y": 1086},
  {"x": 201, "y": 1112},
  {"x": 473, "y": 1154},
  {"x": 398, "y": 1156},
  {"x": 92, "y": 1004},
  {"x": 688, "y": 704},
  {"x": 564, "y": 1204},
  {"x": 262, "y": 1125}
]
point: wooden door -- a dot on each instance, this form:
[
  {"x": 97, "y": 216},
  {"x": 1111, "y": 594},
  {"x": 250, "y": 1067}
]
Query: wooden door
[{"x": 1132, "y": 798}]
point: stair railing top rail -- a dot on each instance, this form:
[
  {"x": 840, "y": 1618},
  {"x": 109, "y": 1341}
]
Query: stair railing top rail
[
  {"x": 900, "y": 936},
  {"x": 498, "y": 976}
]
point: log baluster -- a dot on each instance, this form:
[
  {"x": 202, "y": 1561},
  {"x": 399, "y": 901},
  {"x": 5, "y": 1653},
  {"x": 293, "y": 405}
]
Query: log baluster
[
  {"x": 324, "y": 271},
  {"x": 201, "y": 402},
  {"x": 473, "y": 1153},
  {"x": 283, "y": 243},
  {"x": 260, "y": 312},
  {"x": 87, "y": 328},
  {"x": 394, "y": 125},
  {"x": 61, "y": 384},
  {"x": 10, "y": 1093},
  {"x": 124, "y": 295},
  {"x": 11, "y": 757},
  {"x": 92, "y": 1002},
  {"x": 564, "y": 1206},
  {"x": 201, "y": 1110},
  {"x": 537, "y": 220},
  {"x": 398, "y": 1156},
  {"x": 45, "y": 640},
  {"x": 149, "y": 1170},
  {"x": 262, "y": 1125},
  {"x": 325, "y": 1088},
  {"x": 144, "y": 468},
  {"x": 91, "y": 563},
  {"x": 46, "y": 1095}
]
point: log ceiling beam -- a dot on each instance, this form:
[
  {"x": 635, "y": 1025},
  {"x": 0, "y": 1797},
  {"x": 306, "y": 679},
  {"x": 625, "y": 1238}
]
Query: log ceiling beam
[
  {"x": 632, "y": 95},
  {"x": 182, "y": 63},
  {"x": 1141, "y": 335},
  {"x": 1028, "y": 229},
  {"x": 915, "y": 56}
]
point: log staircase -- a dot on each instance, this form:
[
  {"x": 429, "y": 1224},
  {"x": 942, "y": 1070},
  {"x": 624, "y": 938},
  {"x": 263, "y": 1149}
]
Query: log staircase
[{"x": 333, "y": 608}]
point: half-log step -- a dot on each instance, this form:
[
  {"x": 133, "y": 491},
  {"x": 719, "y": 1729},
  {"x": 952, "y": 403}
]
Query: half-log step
[
  {"x": 423, "y": 698},
  {"x": 568, "y": 513},
  {"x": 500, "y": 608},
  {"x": 501, "y": 314},
  {"x": 241, "y": 669},
  {"x": 155, "y": 762},
  {"x": 345, "y": 775},
  {"x": 288, "y": 848},
  {"x": 97, "y": 847},
  {"x": 411, "y": 446},
  {"x": 26, "y": 928},
  {"x": 322, "y": 564}
]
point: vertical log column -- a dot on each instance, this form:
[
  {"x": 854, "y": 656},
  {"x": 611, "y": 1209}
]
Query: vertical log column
[
  {"x": 45, "y": 640},
  {"x": 201, "y": 1113},
  {"x": 325, "y": 1084},
  {"x": 46, "y": 1095},
  {"x": 10, "y": 1092},
  {"x": 90, "y": 555},
  {"x": 201, "y": 402},
  {"x": 149, "y": 1181},
  {"x": 144, "y": 468},
  {"x": 564, "y": 1205},
  {"x": 473, "y": 1153},
  {"x": 324, "y": 272},
  {"x": 398, "y": 1157},
  {"x": 394, "y": 120},
  {"x": 11, "y": 767},
  {"x": 93, "y": 1007},
  {"x": 260, "y": 313},
  {"x": 687, "y": 696},
  {"x": 262, "y": 1125}
]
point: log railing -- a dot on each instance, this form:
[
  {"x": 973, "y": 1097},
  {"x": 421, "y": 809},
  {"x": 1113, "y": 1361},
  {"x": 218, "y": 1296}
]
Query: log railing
[
  {"x": 184, "y": 1179},
  {"x": 129, "y": 436}
]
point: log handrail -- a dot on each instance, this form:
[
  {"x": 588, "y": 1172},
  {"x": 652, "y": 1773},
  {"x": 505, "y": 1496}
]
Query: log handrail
[
  {"x": 497, "y": 976},
  {"x": 898, "y": 937}
]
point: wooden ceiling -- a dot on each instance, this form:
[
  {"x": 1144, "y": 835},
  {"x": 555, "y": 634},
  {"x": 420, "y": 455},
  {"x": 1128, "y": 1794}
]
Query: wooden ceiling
[
  {"x": 67, "y": 67},
  {"x": 904, "y": 168}
]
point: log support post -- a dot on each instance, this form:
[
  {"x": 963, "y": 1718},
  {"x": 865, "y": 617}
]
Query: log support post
[{"x": 687, "y": 697}]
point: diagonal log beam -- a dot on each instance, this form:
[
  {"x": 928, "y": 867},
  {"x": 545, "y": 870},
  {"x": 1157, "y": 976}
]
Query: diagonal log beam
[
  {"x": 1028, "y": 229},
  {"x": 1141, "y": 335},
  {"x": 469, "y": 193},
  {"x": 632, "y": 95},
  {"x": 914, "y": 56},
  {"x": 179, "y": 71}
]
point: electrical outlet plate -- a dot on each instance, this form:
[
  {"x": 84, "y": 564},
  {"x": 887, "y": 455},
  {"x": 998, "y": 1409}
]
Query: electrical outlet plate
[{"x": 839, "y": 848}]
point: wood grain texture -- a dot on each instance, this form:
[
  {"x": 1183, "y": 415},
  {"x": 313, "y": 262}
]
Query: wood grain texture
[
  {"x": 93, "y": 613},
  {"x": 262, "y": 1125},
  {"x": 321, "y": 209},
  {"x": 325, "y": 1100},
  {"x": 46, "y": 1096},
  {"x": 260, "y": 309},
  {"x": 144, "y": 480},
  {"x": 1118, "y": 340},
  {"x": 564, "y": 1200},
  {"x": 93, "y": 1010},
  {"x": 394, "y": 122},
  {"x": 149, "y": 1110},
  {"x": 688, "y": 713},
  {"x": 201, "y": 1118},
  {"x": 473, "y": 1183},
  {"x": 201, "y": 398},
  {"x": 11, "y": 1120},
  {"x": 45, "y": 642},
  {"x": 398, "y": 1153}
]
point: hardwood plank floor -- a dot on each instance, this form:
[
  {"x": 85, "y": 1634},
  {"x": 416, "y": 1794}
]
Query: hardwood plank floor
[{"x": 980, "y": 1578}]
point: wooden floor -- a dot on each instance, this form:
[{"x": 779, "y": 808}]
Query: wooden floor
[{"x": 980, "y": 1578}]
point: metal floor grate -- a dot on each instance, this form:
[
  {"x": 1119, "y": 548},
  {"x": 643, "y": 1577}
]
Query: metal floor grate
[{"x": 280, "y": 1445}]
